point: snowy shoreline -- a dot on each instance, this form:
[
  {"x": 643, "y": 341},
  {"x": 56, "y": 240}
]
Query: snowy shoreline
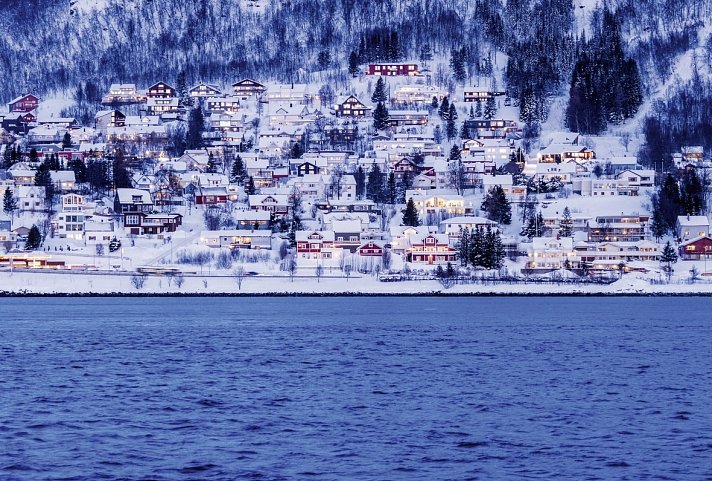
[{"x": 27, "y": 284}]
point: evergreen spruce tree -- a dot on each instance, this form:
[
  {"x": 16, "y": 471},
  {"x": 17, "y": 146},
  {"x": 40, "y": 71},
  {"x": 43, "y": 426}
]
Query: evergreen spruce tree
[
  {"x": 488, "y": 247},
  {"x": 478, "y": 109},
  {"x": 34, "y": 238},
  {"x": 80, "y": 170},
  {"x": 497, "y": 206},
  {"x": 405, "y": 184},
  {"x": 490, "y": 108},
  {"x": 43, "y": 178},
  {"x": 670, "y": 201},
  {"x": 465, "y": 132},
  {"x": 212, "y": 167},
  {"x": 391, "y": 188},
  {"x": 452, "y": 112},
  {"x": 455, "y": 153},
  {"x": 658, "y": 225},
  {"x": 121, "y": 175},
  {"x": 444, "y": 109},
  {"x": 498, "y": 252},
  {"x": 296, "y": 151},
  {"x": 450, "y": 128},
  {"x": 374, "y": 187},
  {"x": 380, "y": 117},
  {"x": 477, "y": 245},
  {"x": 566, "y": 225},
  {"x": 379, "y": 93},
  {"x": 410, "y": 214},
  {"x": 463, "y": 246},
  {"x": 9, "y": 203},
  {"x": 353, "y": 63},
  {"x": 67, "y": 141},
  {"x": 434, "y": 104},
  {"x": 196, "y": 125},
  {"x": 184, "y": 97},
  {"x": 250, "y": 187},
  {"x": 360, "y": 178},
  {"x": 238, "y": 173},
  {"x": 668, "y": 257},
  {"x": 692, "y": 198}
]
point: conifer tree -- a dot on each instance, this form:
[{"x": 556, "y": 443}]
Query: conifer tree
[
  {"x": 353, "y": 63},
  {"x": 194, "y": 133},
  {"x": 463, "y": 246},
  {"x": 237, "y": 172},
  {"x": 9, "y": 203},
  {"x": 497, "y": 206},
  {"x": 212, "y": 167},
  {"x": 374, "y": 187},
  {"x": 34, "y": 238},
  {"x": 250, "y": 187},
  {"x": 67, "y": 141},
  {"x": 444, "y": 109},
  {"x": 566, "y": 223},
  {"x": 668, "y": 257},
  {"x": 360, "y": 178},
  {"x": 477, "y": 245},
  {"x": 391, "y": 188},
  {"x": 410, "y": 214},
  {"x": 380, "y": 117},
  {"x": 490, "y": 107},
  {"x": 434, "y": 104},
  {"x": 379, "y": 93}
]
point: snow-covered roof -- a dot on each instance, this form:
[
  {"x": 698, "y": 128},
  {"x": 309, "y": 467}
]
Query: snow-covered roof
[
  {"x": 468, "y": 219},
  {"x": 235, "y": 233},
  {"x": 346, "y": 226},
  {"x": 303, "y": 235},
  {"x": 497, "y": 180},
  {"x": 251, "y": 215},
  {"x": 62, "y": 176},
  {"x": 126, "y": 196},
  {"x": 693, "y": 220}
]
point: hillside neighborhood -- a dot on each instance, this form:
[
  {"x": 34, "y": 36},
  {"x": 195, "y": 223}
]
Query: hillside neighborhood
[{"x": 391, "y": 179}]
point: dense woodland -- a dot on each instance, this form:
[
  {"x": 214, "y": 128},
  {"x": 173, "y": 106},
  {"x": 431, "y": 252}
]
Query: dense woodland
[{"x": 608, "y": 65}]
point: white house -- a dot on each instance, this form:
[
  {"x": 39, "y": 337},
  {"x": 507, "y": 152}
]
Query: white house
[{"x": 691, "y": 226}]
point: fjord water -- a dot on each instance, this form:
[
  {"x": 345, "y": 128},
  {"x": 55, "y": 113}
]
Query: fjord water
[{"x": 356, "y": 388}]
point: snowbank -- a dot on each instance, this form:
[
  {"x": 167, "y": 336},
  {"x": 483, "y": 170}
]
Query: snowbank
[{"x": 55, "y": 283}]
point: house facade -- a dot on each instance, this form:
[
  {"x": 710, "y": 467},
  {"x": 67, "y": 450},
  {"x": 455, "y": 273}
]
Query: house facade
[
  {"x": 351, "y": 107},
  {"x": 248, "y": 88},
  {"x": 696, "y": 248},
  {"x": 431, "y": 249},
  {"x": 160, "y": 90},
  {"x": 24, "y": 103},
  {"x": 392, "y": 69}
]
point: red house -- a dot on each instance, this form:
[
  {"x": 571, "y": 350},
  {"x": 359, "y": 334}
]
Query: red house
[
  {"x": 26, "y": 103},
  {"x": 430, "y": 249},
  {"x": 695, "y": 249},
  {"x": 392, "y": 69},
  {"x": 211, "y": 195},
  {"x": 29, "y": 117},
  {"x": 370, "y": 249}
]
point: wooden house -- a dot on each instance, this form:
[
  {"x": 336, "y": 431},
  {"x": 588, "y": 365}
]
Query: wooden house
[
  {"x": 160, "y": 90},
  {"x": 350, "y": 107},
  {"x": 248, "y": 88},
  {"x": 392, "y": 69},
  {"x": 24, "y": 103}
]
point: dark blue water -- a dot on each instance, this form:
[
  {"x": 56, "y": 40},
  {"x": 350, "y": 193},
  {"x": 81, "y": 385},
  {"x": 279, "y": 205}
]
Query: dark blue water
[{"x": 356, "y": 389}]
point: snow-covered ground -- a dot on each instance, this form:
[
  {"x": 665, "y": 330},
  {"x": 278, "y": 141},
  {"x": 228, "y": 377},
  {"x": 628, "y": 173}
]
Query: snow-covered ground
[{"x": 38, "y": 282}]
